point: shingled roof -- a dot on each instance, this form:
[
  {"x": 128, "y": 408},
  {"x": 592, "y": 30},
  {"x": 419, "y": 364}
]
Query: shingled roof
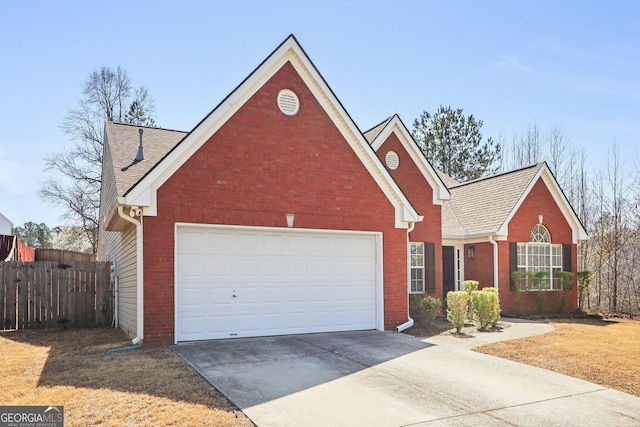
[
  {"x": 373, "y": 133},
  {"x": 483, "y": 205},
  {"x": 123, "y": 141},
  {"x": 448, "y": 181}
]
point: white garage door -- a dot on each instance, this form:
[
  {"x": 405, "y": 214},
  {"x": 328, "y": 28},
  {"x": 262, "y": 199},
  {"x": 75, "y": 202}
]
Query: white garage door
[{"x": 242, "y": 282}]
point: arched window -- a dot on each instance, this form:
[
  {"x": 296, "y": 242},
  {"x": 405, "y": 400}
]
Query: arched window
[
  {"x": 541, "y": 258},
  {"x": 540, "y": 234}
]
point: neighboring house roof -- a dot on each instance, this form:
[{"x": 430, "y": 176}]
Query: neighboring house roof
[
  {"x": 144, "y": 180},
  {"x": 123, "y": 141},
  {"x": 448, "y": 181},
  {"x": 485, "y": 206},
  {"x": 373, "y": 133},
  {"x": 381, "y": 132}
]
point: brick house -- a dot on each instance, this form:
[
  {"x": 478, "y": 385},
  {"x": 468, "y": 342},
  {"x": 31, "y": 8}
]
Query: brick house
[
  {"x": 277, "y": 215},
  {"x": 514, "y": 221}
]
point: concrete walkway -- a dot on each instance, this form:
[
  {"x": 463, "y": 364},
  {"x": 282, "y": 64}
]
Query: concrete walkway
[{"x": 373, "y": 378}]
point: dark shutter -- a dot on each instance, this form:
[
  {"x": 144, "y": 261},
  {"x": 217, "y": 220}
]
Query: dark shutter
[
  {"x": 513, "y": 263},
  {"x": 566, "y": 258},
  {"x": 430, "y": 267}
]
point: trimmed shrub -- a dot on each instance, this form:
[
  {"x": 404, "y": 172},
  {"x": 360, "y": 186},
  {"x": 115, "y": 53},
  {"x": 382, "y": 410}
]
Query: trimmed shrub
[
  {"x": 523, "y": 281},
  {"x": 566, "y": 279},
  {"x": 538, "y": 279},
  {"x": 484, "y": 308},
  {"x": 457, "y": 304},
  {"x": 497, "y": 311},
  {"x": 469, "y": 286},
  {"x": 424, "y": 309}
]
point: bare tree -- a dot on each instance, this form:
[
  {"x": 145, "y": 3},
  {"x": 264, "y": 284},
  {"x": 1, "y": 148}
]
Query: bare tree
[
  {"x": 107, "y": 96},
  {"x": 526, "y": 148}
]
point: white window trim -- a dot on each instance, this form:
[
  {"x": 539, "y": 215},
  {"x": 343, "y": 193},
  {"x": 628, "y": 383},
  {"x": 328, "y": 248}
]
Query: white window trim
[
  {"x": 555, "y": 283},
  {"x": 416, "y": 268}
]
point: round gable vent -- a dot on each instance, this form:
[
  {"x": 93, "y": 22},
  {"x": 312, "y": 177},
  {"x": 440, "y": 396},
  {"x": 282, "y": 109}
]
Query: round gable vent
[
  {"x": 288, "y": 102},
  {"x": 392, "y": 160}
]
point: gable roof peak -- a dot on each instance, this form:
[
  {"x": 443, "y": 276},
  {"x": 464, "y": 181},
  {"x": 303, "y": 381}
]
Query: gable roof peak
[
  {"x": 143, "y": 191},
  {"x": 395, "y": 125}
]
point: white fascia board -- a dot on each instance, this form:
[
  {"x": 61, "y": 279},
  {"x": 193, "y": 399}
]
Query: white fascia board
[
  {"x": 144, "y": 194},
  {"x": 395, "y": 125},
  {"x": 578, "y": 232},
  {"x": 405, "y": 213},
  {"x": 479, "y": 237}
]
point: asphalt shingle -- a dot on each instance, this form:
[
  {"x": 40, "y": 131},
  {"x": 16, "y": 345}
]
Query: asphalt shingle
[
  {"x": 123, "y": 142},
  {"x": 484, "y": 204}
]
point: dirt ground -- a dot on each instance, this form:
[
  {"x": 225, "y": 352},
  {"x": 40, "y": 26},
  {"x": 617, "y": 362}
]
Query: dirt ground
[
  {"x": 155, "y": 387},
  {"x": 603, "y": 351},
  {"x": 143, "y": 387}
]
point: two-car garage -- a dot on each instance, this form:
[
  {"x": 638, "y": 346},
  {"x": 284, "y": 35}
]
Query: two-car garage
[{"x": 254, "y": 281}]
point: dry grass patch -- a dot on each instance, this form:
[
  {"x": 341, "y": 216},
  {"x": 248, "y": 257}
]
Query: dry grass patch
[
  {"x": 605, "y": 352},
  {"x": 141, "y": 387}
]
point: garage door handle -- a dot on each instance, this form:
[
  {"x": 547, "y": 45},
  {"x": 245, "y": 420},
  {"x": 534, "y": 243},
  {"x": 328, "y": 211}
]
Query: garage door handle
[{"x": 235, "y": 296}]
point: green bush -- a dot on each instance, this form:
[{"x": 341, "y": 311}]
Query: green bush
[
  {"x": 584, "y": 280},
  {"x": 566, "y": 278},
  {"x": 523, "y": 281},
  {"x": 497, "y": 311},
  {"x": 457, "y": 304},
  {"x": 538, "y": 279},
  {"x": 469, "y": 286},
  {"x": 484, "y": 305},
  {"x": 424, "y": 309}
]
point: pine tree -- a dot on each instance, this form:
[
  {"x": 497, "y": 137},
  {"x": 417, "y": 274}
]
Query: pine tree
[{"x": 452, "y": 142}]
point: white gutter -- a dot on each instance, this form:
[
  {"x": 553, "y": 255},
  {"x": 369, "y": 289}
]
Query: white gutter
[
  {"x": 116, "y": 284},
  {"x": 495, "y": 261},
  {"x": 135, "y": 211},
  {"x": 408, "y": 323}
]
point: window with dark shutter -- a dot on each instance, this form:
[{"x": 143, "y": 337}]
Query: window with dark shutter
[
  {"x": 430, "y": 266},
  {"x": 566, "y": 258},
  {"x": 513, "y": 263}
]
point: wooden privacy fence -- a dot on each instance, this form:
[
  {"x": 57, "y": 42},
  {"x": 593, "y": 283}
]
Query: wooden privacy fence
[{"x": 49, "y": 294}]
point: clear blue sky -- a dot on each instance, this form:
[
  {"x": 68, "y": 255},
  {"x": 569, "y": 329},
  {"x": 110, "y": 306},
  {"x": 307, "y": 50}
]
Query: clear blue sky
[{"x": 508, "y": 63}]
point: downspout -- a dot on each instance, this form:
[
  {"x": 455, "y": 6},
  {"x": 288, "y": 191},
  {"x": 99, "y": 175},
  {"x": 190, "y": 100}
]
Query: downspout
[
  {"x": 408, "y": 323},
  {"x": 135, "y": 211},
  {"x": 116, "y": 284},
  {"x": 495, "y": 261}
]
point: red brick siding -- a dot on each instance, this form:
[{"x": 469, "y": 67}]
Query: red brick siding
[
  {"x": 480, "y": 267},
  {"x": 258, "y": 166},
  {"x": 538, "y": 202},
  {"x": 420, "y": 194}
]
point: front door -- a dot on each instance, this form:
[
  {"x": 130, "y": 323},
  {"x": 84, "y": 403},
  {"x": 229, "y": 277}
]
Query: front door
[{"x": 448, "y": 270}]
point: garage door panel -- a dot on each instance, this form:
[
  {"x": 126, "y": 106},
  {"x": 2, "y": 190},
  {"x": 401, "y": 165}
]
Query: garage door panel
[
  {"x": 283, "y": 282},
  {"x": 273, "y": 294},
  {"x": 221, "y": 295},
  {"x": 248, "y": 267},
  {"x": 192, "y": 297}
]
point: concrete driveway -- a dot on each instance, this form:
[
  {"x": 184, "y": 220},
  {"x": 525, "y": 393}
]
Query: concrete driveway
[{"x": 372, "y": 378}]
